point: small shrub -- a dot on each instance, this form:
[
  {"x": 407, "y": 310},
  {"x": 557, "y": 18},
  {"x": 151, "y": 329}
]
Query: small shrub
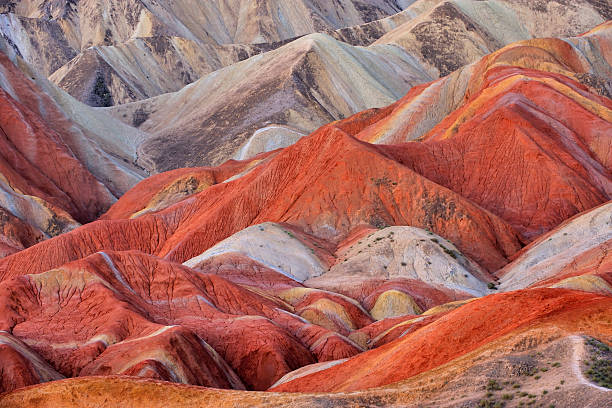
[
  {"x": 600, "y": 369},
  {"x": 493, "y": 385}
]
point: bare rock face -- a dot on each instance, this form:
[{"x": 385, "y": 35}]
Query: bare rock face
[
  {"x": 408, "y": 253},
  {"x": 278, "y": 87},
  {"x": 308, "y": 82},
  {"x": 113, "y": 53},
  {"x": 543, "y": 305},
  {"x": 578, "y": 247},
  {"x": 20, "y": 366},
  {"x": 59, "y": 169},
  {"x": 434, "y": 250},
  {"x": 142, "y": 68},
  {"x": 140, "y": 49}
]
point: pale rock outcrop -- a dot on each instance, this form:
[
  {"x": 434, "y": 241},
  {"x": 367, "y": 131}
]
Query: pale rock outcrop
[
  {"x": 273, "y": 246},
  {"x": 407, "y": 252}
]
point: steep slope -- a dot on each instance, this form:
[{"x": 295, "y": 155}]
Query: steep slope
[
  {"x": 168, "y": 322},
  {"x": 455, "y": 33},
  {"x": 576, "y": 248},
  {"x": 49, "y": 34},
  {"x": 21, "y": 366},
  {"x": 461, "y": 331},
  {"x": 575, "y": 148},
  {"x": 408, "y": 253},
  {"x": 132, "y": 50},
  {"x": 106, "y": 146},
  {"x": 222, "y": 21},
  {"x": 59, "y": 166},
  {"x": 584, "y": 59},
  {"x": 539, "y": 117},
  {"x": 464, "y": 381},
  {"x": 331, "y": 265},
  {"x": 142, "y": 68},
  {"x": 313, "y": 85},
  {"x": 268, "y": 193},
  {"x": 278, "y": 87}
]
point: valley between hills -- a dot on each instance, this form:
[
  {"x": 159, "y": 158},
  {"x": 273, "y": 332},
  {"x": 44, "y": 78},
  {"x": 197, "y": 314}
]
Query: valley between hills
[{"x": 357, "y": 203}]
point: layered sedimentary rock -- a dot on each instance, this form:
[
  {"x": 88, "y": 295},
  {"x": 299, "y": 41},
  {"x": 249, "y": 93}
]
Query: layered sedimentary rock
[
  {"x": 142, "y": 68},
  {"x": 535, "y": 343},
  {"x": 561, "y": 257},
  {"x": 131, "y": 50},
  {"x": 321, "y": 80},
  {"x": 450, "y": 34},
  {"x": 59, "y": 166},
  {"x": 224, "y": 22},
  {"x": 180, "y": 326},
  {"x": 104, "y": 56},
  {"x": 367, "y": 254},
  {"x": 457, "y": 333},
  {"x": 276, "y": 88}
]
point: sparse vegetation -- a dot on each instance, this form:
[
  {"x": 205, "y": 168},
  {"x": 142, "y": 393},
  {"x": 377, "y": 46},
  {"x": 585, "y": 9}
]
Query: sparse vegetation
[
  {"x": 453, "y": 254},
  {"x": 493, "y": 385},
  {"x": 485, "y": 403},
  {"x": 600, "y": 366}
]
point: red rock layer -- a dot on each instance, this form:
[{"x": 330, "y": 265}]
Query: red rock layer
[
  {"x": 341, "y": 184},
  {"x": 245, "y": 271},
  {"x": 525, "y": 149},
  {"x": 529, "y": 142},
  {"x": 35, "y": 161},
  {"x": 180, "y": 183},
  {"x": 15, "y": 234},
  {"x": 51, "y": 172},
  {"x": 552, "y": 153},
  {"x": 367, "y": 292},
  {"x": 133, "y": 314},
  {"x": 457, "y": 333}
]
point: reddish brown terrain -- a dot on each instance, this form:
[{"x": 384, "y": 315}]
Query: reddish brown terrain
[{"x": 449, "y": 250}]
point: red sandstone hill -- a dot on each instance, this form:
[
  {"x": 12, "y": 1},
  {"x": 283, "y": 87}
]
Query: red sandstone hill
[
  {"x": 61, "y": 163},
  {"x": 337, "y": 264}
]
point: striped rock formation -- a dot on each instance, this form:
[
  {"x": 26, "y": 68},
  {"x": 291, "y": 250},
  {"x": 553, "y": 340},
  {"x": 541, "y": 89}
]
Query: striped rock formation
[{"x": 450, "y": 249}]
